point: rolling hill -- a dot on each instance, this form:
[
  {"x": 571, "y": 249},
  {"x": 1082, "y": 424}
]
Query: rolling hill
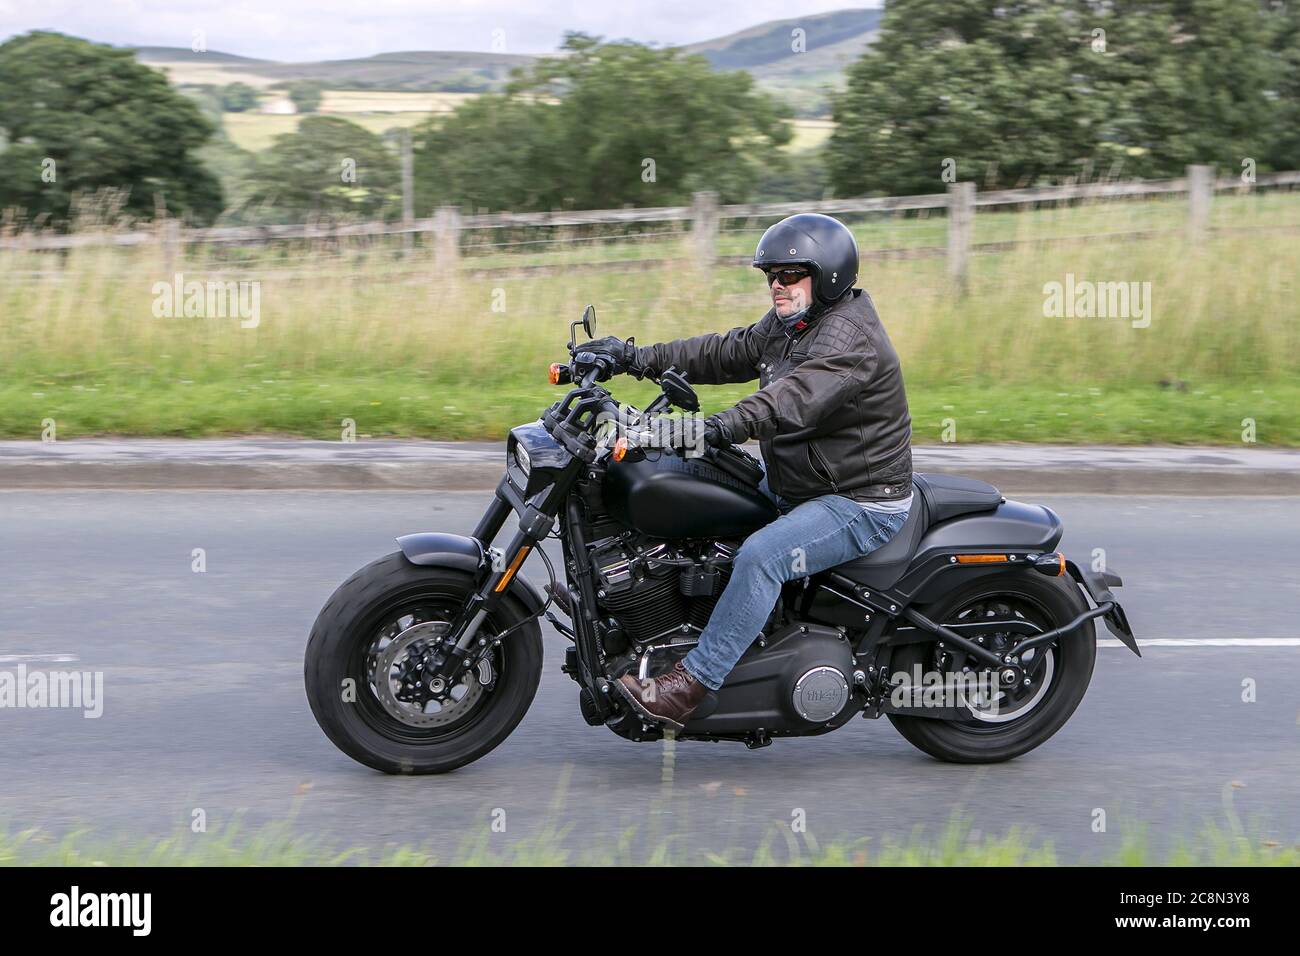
[{"x": 830, "y": 42}]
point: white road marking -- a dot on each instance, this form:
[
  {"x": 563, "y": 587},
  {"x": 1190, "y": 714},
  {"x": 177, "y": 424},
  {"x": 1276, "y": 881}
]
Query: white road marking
[
  {"x": 38, "y": 658},
  {"x": 1208, "y": 642}
]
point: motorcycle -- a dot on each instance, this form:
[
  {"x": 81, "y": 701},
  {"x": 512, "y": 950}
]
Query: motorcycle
[{"x": 968, "y": 629}]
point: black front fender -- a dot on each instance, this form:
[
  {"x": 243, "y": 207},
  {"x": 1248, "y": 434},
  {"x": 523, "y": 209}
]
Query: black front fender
[{"x": 442, "y": 550}]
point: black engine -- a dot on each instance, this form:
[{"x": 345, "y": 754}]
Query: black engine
[{"x": 651, "y": 590}]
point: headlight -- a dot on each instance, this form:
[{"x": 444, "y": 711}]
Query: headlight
[{"x": 522, "y": 459}]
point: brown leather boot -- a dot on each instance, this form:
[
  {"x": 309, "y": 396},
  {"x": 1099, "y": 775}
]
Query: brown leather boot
[{"x": 669, "y": 698}]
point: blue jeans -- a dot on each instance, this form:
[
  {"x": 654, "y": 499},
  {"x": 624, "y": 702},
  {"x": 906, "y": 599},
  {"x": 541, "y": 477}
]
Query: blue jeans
[{"x": 808, "y": 538}]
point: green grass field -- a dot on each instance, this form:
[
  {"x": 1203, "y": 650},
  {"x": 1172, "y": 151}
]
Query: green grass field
[
  {"x": 366, "y": 334},
  {"x": 376, "y": 110}
]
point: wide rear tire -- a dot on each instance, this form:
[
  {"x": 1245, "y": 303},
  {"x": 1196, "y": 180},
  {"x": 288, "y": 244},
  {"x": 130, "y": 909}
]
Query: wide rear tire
[
  {"x": 370, "y": 607},
  {"x": 1054, "y": 601}
]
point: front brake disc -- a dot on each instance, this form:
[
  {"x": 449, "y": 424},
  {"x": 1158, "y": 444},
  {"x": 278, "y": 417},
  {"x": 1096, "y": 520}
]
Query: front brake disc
[{"x": 429, "y": 708}]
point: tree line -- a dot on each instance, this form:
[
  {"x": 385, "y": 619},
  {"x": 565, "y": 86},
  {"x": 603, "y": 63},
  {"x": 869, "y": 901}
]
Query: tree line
[{"x": 1002, "y": 93}]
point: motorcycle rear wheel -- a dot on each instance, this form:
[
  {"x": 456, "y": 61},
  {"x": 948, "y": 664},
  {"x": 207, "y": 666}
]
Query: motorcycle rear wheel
[{"x": 1066, "y": 666}]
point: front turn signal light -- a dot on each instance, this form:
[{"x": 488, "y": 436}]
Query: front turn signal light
[
  {"x": 559, "y": 374},
  {"x": 619, "y": 451}
]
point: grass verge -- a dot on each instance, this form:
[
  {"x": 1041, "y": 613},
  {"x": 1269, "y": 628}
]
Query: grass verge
[
  {"x": 956, "y": 844},
  {"x": 421, "y": 407}
]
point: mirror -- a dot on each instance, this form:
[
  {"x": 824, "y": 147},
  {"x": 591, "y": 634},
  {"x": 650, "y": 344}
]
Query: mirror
[
  {"x": 588, "y": 323},
  {"x": 678, "y": 391}
]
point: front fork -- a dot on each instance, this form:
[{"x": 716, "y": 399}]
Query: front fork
[{"x": 464, "y": 646}]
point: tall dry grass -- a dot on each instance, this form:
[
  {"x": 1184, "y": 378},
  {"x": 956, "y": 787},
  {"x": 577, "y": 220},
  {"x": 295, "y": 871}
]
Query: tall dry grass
[{"x": 1224, "y": 310}]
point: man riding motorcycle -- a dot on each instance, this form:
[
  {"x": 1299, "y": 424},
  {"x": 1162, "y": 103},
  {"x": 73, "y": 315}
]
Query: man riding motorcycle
[{"x": 832, "y": 421}]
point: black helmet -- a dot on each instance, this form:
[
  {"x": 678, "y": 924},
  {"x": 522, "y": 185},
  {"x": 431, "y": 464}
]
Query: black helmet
[{"x": 819, "y": 242}]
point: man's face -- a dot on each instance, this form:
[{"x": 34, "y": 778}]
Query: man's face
[{"x": 791, "y": 289}]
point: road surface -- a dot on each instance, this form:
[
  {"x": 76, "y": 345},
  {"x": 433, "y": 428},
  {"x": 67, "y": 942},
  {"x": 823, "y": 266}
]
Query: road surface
[{"x": 204, "y": 706}]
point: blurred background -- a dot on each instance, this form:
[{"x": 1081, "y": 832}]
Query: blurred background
[{"x": 422, "y": 222}]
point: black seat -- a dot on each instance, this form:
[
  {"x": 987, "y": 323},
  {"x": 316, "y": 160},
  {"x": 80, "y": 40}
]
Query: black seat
[
  {"x": 937, "y": 498},
  {"x": 951, "y": 496}
]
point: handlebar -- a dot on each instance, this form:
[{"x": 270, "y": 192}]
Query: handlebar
[
  {"x": 596, "y": 366},
  {"x": 586, "y": 365}
]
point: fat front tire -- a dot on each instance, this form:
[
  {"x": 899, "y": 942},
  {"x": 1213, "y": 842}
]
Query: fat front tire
[
  {"x": 388, "y": 727},
  {"x": 1047, "y": 603}
]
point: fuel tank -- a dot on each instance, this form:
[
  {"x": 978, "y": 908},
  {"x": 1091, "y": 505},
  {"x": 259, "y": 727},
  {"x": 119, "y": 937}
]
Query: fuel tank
[{"x": 673, "y": 497}]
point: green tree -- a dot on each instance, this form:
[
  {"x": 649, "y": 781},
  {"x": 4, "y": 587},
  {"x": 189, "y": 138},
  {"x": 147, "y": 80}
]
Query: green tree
[
  {"x": 605, "y": 125},
  {"x": 1285, "y": 149},
  {"x": 1003, "y": 91},
  {"x": 1041, "y": 90},
  {"x": 328, "y": 167},
  {"x": 238, "y": 97},
  {"x": 305, "y": 95},
  {"x": 80, "y": 117},
  {"x": 1191, "y": 81}
]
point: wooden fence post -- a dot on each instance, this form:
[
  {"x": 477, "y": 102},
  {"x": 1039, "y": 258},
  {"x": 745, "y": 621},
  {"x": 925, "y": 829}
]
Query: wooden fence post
[
  {"x": 1200, "y": 192},
  {"x": 704, "y": 227},
  {"x": 170, "y": 236},
  {"x": 961, "y": 225},
  {"x": 446, "y": 237},
  {"x": 408, "y": 193}
]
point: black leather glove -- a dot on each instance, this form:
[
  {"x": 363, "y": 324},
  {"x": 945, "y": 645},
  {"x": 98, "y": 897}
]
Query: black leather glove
[
  {"x": 616, "y": 354},
  {"x": 716, "y": 433}
]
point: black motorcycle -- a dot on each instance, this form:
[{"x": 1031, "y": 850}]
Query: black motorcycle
[{"x": 967, "y": 629}]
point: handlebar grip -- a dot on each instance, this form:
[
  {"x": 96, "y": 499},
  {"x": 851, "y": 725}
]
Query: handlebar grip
[{"x": 596, "y": 364}]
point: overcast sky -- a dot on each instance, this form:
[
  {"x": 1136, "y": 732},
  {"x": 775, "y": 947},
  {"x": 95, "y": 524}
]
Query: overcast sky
[{"x": 334, "y": 29}]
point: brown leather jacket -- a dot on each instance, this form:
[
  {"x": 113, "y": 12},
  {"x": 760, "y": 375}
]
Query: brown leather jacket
[{"x": 830, "y": 414}]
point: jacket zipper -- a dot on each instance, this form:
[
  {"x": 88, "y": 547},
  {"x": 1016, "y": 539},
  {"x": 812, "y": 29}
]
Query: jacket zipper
[
  {"x": 830, "y": 475},
  {"x": 785, "y": 354}
]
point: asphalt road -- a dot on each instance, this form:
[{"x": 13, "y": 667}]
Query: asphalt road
[{"x": 204, "y": 703}]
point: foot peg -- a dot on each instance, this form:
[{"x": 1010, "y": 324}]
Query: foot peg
[{"x": 560, "y": 595}]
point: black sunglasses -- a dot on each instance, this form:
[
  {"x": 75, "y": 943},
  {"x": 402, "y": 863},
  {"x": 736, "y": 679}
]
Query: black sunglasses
[{"x": 788, "y": 277}]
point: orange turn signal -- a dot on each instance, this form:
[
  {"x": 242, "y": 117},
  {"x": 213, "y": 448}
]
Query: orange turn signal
[
  {"x": 981, "y": 558},
  {"x": 555, "y": 373},
  {"x": 619, "y": 450},
  {"x": 510, "y": 571}
]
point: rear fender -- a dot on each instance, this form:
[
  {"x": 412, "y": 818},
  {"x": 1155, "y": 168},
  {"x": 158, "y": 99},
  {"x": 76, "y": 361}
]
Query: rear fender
[
  {"x": 1013, "y": 527},
  {"x": 1098, "y": 584}
]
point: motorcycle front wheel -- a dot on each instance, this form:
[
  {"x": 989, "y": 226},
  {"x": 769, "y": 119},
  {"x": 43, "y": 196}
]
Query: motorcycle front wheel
[
  {"x": 368, "y": 663},
  {"x": 1011, "y": 721}
]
